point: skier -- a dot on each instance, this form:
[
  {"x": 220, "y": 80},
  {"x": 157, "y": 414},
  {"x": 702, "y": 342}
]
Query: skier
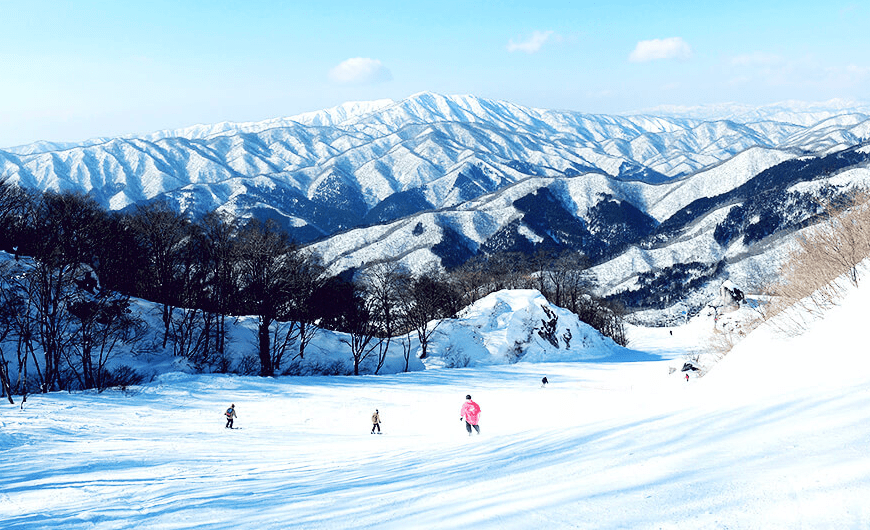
[
  {"x": 230, "y": 414},
  {"x": 376, "y": 422},
  {"x": 471, "y": 414},
  {"x": 544, "y": 382}
]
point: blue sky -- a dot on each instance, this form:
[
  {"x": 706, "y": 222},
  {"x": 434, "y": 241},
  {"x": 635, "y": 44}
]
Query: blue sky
[{"x": 75, "y": 70}]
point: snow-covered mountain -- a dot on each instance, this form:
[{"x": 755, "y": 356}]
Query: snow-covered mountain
[
  {"x": 801, "y": 113},
  {"x": 654, "y": 244},
  {"x": 368, "y": 153},
  {"x": 436, "y": 179}
]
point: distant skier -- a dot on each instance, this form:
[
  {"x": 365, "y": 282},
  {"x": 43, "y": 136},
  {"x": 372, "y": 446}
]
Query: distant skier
[
  {"x": 471, "y": 414},
  {"x": 544, "y": 382},
  {"x": 230, "y": 414},
  {"x": 687, "y": 378},
  {"x": 376, "y": 422}
]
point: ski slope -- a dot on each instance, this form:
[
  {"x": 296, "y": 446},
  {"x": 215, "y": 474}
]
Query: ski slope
[{"x": 776, "y": 436}]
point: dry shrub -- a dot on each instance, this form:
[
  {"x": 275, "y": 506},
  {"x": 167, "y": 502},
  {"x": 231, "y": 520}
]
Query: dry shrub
[
  {"x": 819, "y": 271},
  {"x": 721, "y": 342},
  {"x": 726, "y": 334}
]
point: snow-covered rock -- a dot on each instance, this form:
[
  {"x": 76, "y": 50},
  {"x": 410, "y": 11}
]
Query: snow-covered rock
[{"x": 512, "y": 326}]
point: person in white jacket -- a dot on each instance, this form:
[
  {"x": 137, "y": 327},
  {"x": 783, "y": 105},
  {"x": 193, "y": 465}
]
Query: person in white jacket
[
  {"x": 376, "y": 422},
  {"x": 230, "y": 414}
]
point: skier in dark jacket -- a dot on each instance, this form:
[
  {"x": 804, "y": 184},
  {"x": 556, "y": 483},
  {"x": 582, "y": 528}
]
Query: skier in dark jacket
[{"x": 230, "y": 414}]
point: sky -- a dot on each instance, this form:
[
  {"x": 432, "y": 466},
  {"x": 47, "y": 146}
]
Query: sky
[{"x": 70, "y": 71}]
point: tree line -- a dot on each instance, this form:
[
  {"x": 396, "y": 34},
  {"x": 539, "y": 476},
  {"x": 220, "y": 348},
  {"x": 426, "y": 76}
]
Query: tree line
[{"x": 68, "y": 299}]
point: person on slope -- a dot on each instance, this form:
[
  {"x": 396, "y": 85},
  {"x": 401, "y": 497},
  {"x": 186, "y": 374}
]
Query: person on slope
[
  {"x": 471, "y": 414},
  {"x": 230, "y": 414},
  {"x": 376, "y": 422}
]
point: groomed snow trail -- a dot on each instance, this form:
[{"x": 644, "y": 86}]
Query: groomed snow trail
[{"x": 610, "y": 444}]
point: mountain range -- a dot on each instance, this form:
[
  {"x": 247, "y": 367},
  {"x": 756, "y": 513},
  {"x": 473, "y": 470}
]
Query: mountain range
[{"x": 433, "y": 179}]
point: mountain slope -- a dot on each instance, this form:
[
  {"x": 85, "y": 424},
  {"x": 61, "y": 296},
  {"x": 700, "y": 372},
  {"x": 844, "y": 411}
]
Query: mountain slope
[
  {"x": 644, "y": 238},
  {"x": 378, "y": 149},
  {"x": 432, "y": 180}
]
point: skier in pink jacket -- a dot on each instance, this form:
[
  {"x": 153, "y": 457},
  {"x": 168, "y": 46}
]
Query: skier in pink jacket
[{"x": 471, "y": 414}]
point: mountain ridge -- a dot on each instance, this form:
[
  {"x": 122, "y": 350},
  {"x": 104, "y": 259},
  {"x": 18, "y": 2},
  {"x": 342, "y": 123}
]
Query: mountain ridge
[
  {"x": 640, "y": 147},
  {"x": 436, "y": 178}
]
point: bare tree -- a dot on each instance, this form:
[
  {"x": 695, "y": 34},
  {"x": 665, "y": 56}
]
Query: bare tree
[
  {"x": 384, "y": 284},
  {"x": 14, "y": 203},
  {"x": 63, "y": 232},
  {"x": 487, "y": 273},
  {"x": 220, "y": 256},
  {"x": 160, "y": 232},
  {"x": 193, "y": 323},
  {"x": 430, "y": 300},
  {"x": 284, "y": 335},
  {"x": 558, "y": 276},
  {"x": 604, "y": 316},
  {"x": 12, "y": 307},
  {"x": 361, "y": 330},
  {"x": 67, "y": 235},
  {"x": 265, "y": 277},
  {"x": 307, "y": 277},
  {"x": 406, "y": 342},
  {"x": 23, "y": 321},
  {"x": 47, "y": 288},
  {"x": 103, "y": 320},
  {"x": 566, "y": 281}
]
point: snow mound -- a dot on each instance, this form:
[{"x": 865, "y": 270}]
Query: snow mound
[{"x": 512, "y": 326}]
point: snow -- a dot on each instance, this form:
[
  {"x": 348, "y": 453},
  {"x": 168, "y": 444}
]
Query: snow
[
  {"x": 773, "y": 437},
  {"x": 503, "y": 327},
  {"x": 355, "y": 136}
]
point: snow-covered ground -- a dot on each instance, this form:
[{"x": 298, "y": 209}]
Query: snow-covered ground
[{"x": 776, "y": 435}]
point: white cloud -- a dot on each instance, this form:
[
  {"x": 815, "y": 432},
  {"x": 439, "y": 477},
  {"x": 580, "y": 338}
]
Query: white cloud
[
  {"x": 849, "y": 10},
  {"x": 756, "y": 59},
  {"x": 650, "y": 50},
  {"x": 806, "y": 74},
  {"x": 360, "y": 71},
  {"x": 857, "y": 70},
  {"x": 531, "y": 45}
]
